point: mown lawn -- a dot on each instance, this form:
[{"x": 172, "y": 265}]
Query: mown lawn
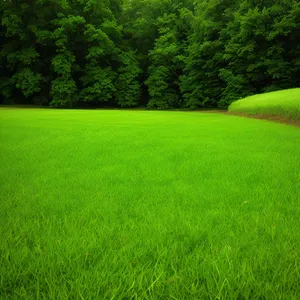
[
  {"x": 285, "y": 103},
  {"x": 148, "y": 205}
]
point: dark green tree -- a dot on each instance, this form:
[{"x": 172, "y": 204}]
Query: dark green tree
[
  {"x": 159, "y": 53},
  {"x": 168, "y": 59},
  {"x": 18, "y": 53},
  {"x": 64, "y": 89},
  {"x": 127, "y": 84},
  {"x": 261, "y": 49},
  {"x": 201, "y": 83}
]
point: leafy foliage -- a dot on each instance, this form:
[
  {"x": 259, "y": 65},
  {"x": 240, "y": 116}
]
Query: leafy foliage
[
  {"x": 99, "y": 84},
  {"x": 98, "y": 79},
  {"x": 27, "y": 81},
  {"x": 128, "y": 85},
  {"x": 167, "y": 62},
  {"x": 159, "y": 53}
]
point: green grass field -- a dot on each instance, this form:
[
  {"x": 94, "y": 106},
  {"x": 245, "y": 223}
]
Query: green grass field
[
  {"x": 284, "y": 103},
  {"x": 148, "y": 205}
]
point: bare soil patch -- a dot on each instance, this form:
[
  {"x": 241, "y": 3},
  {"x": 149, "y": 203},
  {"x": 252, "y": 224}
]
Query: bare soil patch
[{"x": 274, "y": 118}]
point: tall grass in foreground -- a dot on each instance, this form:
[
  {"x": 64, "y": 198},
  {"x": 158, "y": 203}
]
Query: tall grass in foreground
[
  {"x": 284, "y": 103},
  {"x": 148, "y": 205}
]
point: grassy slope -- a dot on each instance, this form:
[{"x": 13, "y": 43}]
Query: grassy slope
[
  {"x": 147, "y": 205},
  {"x": 284, "y": 103}
]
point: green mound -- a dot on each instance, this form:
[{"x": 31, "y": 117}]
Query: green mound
[{"x": 284, "y": 103}]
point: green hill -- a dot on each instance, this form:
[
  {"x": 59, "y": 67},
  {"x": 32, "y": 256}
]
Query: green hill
[{"x": 284, "y": 103}]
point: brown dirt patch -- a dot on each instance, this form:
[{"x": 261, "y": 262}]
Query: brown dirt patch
[{"x": 273, "y": 118}]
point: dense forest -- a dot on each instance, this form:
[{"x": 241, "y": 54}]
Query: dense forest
[{"x": 157, "y": 53}]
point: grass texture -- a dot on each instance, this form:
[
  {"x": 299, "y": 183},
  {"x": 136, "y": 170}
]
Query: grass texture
[
  {"x": 284, "y": 103},
  {"x": 147, "y": 205}
]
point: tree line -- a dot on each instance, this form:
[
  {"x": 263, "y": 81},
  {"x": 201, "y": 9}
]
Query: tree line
[{"x": 161, "y": 54}]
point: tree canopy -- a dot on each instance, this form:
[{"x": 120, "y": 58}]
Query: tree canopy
[{"x": 157, "y": 53}]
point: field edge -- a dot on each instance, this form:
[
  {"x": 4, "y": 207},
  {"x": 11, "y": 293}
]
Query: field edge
[{"x": 267, "y": 117}]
